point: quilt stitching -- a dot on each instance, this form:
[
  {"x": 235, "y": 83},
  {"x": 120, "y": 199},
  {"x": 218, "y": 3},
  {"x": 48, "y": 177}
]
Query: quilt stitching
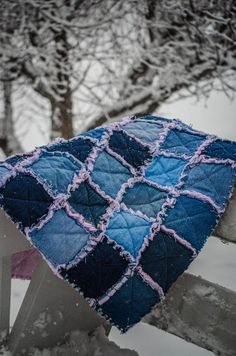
[{"x": 99, "y": 143}]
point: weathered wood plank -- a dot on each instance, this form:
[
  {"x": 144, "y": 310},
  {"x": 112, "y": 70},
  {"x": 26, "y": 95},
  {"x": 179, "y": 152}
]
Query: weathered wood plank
[
  {"x": 50, "y": 309},
  {"x": 11, "y": 239},
  {"x": 5, "y": 293},
  {"x": 227, "y": 224},
  {"x": 201, "y": 312}
]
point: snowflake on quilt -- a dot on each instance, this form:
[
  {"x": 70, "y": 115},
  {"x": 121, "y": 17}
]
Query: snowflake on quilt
[{"x": 121, "y": 211}]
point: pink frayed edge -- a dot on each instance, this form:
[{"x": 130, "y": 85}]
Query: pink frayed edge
[
  {"x": 90, "y": 245},
  {"x": 167, "y": 154},
  {"x": 121, "y": 159},
  {"x": 98, "y": 190},
  {"x": 45, "y": 219},
  {"x": 128, "y": 273},
  {"x": 203, "y": 159},
  {"x": 145, "y": 144},
  {"x": 167, "y": 126},
  {"x": 38, "y": 179},
  {"x": 195, "y": 159},
  {"x": 80, "y": 219},
  {"x": 91, "y": 159},
  {"x": 182, "y": 241},
  {"x": 154, "y": 285},
  {"x": 78, "y": 179},
  {"x": 202, "y": 197},
  {"x": 169, "y": 203},
  {"x": 159, "y": 121},
  {"x": 122, "y": 252},
  {"x": 137, "y": 213},
  {"x": 31, "y": 159},
  {"x": 7, "y": 165}
]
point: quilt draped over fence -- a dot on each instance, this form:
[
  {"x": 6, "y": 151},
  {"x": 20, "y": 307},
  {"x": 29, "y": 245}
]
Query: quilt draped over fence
[{"x": 120, "y": 212}]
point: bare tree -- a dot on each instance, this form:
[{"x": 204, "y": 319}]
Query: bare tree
[
  {"x": 101, "y": 59},
  {"x": 184, "y": 44}
]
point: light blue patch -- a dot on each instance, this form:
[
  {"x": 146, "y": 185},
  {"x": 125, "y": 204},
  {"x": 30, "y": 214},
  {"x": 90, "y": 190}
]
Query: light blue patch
[
  {"x": 213, "y": 180},
  {"x": 96, "y": 133},
  {"x": 181, "y": 142},
  {"x": 3, "y": 171},
  {"x": 165, "y": 170},
  {"x": 145, "y": 198},
  {"x": 155, "y": 118},
  {"x": 56, "y": 170},
  {"x": 109, "y": 174},
  {"x": 144, "y": 130},
  {"x": 60, "y": 239},
  {"x": 128, "y": 230}
]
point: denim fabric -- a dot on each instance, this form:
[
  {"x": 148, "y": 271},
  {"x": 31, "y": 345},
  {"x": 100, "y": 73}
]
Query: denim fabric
[
  {"x": 57, "y": 171},
  {"x": 130, "y": 149},
  {"x": 144, "y": 198},
  {"x": 145, "y": 131},
  {"x": 131, "y": 302},
  {"x": 219, "y": 149},
  {"x": 3, "y": 171},
  {"x": 98, "y": 271},
  {"x": 96, "y": 133},
  {"x": 212, "y": 180},
  {"x": 128, "y": 231},
  {"x": 120, "y": 212},
  {"x": 165, "y": 170},
  {"x": 54, "y": 241},
  {"x": 192, "y": 219},
  {"x": 86, "y": 201},
  {"x": 109, "y": 173},
  {"x": 13, "y": 160},
  {"x": 79, "y": 148},
  {"x": 159, "y": 258},
  {"x": 25, "y": 200},
  {"x": 182, "y": 142}
]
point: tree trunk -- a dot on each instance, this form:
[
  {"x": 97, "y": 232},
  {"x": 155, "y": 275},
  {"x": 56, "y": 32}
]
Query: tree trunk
[
  {"x": 62, "y": 117},
  {"x": 8, "y": 140}
]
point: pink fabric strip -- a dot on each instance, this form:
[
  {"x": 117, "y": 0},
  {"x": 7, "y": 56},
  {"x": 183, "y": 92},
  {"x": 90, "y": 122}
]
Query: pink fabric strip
[{"x": 24, "y": 263}]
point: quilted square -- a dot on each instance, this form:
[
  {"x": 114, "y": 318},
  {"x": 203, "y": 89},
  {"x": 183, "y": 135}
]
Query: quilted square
[
  {"x": 130, "y": 149},
  {"x": 145, "y": 198},
  {"x": 212, "y": 180},
  {"x": 96, "y": 133},
  {"x": 221, "y": 149},
  {"x": 13, "y": 160},
  {"x": 165, "y": 171},
  {"x": 128, "y": 231},
  {"x": 86, "y": 201},
  {"x": 3, "y": 171},
  {"x": 131, "y": 302},
  {"x": 147, "y": 132},
  {"x": 120, "y": 211},
  {"x": 77, "y": 147},
  {"x": 24, "y": 200},
  {"x": 109, "y": 174},
  {"x": 99, "y": 271},
  {"x": 56, "y": 170},
  {"x": 192, "y": 219},
  {"x": 53, "y": 239},
  {"x": 182, "y": 142},
  {"x": 165, "y": 259}
]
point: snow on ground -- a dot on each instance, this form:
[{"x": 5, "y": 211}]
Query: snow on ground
[{"x": 81, "y": 344}]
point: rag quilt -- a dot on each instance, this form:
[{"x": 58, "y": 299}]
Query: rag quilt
[{"x": 120, "y": 212}]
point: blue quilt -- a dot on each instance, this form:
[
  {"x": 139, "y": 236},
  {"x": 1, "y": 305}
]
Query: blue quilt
[{"x": 121, "y": 211}]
